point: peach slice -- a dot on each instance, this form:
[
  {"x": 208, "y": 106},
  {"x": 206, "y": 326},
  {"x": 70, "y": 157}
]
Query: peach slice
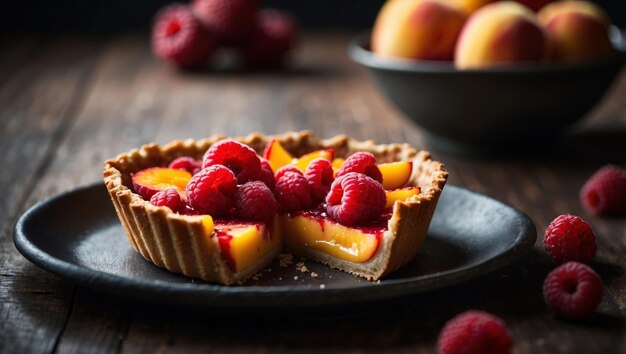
[
  {"x": 303, "y": 162},
  {"x": 276, "y": 155},
  {"x": 395, "y": 174},
  {"x": 243, "y": 244},
  {"x": 400, "y": 194},
  {"x": 151, "y": 180},
  {"x": 336, "y": 163},
  {"x": 349, "y": 244}
]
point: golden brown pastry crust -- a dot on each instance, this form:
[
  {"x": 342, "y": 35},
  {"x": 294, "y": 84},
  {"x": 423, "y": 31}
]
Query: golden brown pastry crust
[{"x": 180, "y": 244}]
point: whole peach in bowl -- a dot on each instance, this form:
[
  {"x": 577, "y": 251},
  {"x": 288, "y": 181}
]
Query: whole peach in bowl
[{"x": 507, "y": 83}]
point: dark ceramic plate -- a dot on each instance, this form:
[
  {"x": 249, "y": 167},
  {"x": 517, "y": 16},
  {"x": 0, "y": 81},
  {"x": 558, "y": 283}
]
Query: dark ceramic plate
[{"x": 78, "y": 236}]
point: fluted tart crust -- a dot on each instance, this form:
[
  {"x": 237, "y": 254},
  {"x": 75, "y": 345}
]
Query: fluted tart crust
[{"x": 181, "y": 243}]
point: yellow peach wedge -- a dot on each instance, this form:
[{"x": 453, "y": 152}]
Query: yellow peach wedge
[
  {"x": 577, "y": 29},
  {"x": 417, "y": 29},
  {"x": 332, "y": 238},
  {"x": 242, "y": 244},
  {"x": 401, "y": 195},
  {"x": 501, "y": 33},
  {"x": 276, "y": 155},
  {"x": 395, "y": 174},
  {"x": 336, "y": 163},
  {"x": 151, "y": 180},
  {"x": 303, "y": 162}
]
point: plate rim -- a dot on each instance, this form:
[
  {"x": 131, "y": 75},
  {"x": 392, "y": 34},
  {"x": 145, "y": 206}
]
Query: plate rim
[{"x": 525, "y": 238}]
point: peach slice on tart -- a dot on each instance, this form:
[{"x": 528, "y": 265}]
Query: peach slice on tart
[
  {"x": 395, "y": 174},
  {"x": 276, "y": 155},
  {"x": 151, "y": 180},
  {"x": 303, "y": 161},
  {"x": 233, "y": 248},
  {"x": 336, "y": 163},
  {"x": 244, "y": 243},
  {"x": 400, "y": 194}
]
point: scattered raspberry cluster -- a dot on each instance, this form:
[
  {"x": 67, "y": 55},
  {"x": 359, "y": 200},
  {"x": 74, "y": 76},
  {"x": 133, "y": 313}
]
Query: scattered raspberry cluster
[
  {"x": 188, "y": 35},
  {"x": 572, "y": 291}
]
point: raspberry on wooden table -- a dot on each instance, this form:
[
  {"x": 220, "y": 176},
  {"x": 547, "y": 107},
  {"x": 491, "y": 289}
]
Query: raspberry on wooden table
[
  {"x": 179, "y": 38},
  {"x": 255, "y": 201},
  {"x": 361, "y": 162},
  {"x": 573, "y": 290},
  {"x": 474, "y": 332},
  {"x": 275, "y": 34},
  {"x": 212, "y": 190},
  {"x": 239, "y": 158},
  {"x": 604, "y": 193},
  {"x": 570, "y": 238},
  {"x": 355, "y": 198},
  {"x": 231, "y": 20}
]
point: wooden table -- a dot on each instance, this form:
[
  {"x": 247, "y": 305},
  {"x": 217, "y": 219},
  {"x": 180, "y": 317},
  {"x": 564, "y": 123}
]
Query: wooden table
[{"x": 66, "y": 104}]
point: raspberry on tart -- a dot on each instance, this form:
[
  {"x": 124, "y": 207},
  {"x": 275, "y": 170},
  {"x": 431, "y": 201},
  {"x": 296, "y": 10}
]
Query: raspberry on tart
[
  {"x": 186, "y": 163},
  {"x": 229, "y": 223},
  {"x": 292, "y": 190},
  {"x": 320, "y": 176},
  {"x": 361, "y": 162}
]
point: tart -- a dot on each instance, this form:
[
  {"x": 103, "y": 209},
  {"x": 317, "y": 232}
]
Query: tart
[{"x": 227, "y": 247}]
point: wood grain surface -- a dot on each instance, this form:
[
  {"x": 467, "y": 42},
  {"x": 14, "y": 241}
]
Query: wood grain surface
[{"x": 67, "y": 104}]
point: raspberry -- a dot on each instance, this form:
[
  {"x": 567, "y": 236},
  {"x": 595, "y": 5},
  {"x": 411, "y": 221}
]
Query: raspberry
[
  {"x": 287, "y": 168},
  {"x": 474, "y": 332},
  {"x": 274, "y": 36},
  {"x": 185, "y": 209},
  {"x": 319, "y": 175},
  {"x": 266, "y": 175},
  {"x": 239, "y": 158},
  {"x": 231, "y": 20},
  {"x": 570, "y": 238},
  {"x": 211, "y": 190},
  {"x": 167, "y": 197},
  {"x": 255, "y": 201},
  {"x": 605, "y": 192},
  {"x": 572, "y": 290},
  {"x": 355, "y": 198},
  {"x": 186, "y": 163},
  {"x": 292, "y": 191},
  {"x": 179, "y": 38},
  {"x": 361, "y": 162}
]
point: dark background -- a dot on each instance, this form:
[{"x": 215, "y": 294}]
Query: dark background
[{"x": 111, "y": 16}]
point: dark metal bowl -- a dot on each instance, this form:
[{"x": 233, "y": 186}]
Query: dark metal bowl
[{"x": 497, "y": 106}]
